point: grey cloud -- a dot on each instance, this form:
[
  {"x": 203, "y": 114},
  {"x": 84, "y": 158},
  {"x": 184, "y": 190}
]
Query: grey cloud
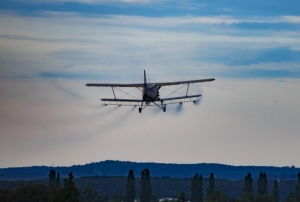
[
  {"x": 256, "y": 56},
  {"x": 48, "y": 40}
]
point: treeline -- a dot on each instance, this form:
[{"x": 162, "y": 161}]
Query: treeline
[
  {"x": 42, "y": 193},
  {"x": 149, "y": 189},
  {"x": 120, "y": 168}
]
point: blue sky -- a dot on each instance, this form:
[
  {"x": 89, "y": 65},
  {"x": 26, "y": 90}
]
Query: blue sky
[
  {"x": 220, "y": 23},
  {"x": 50, "y": 49},
  {"x": 160, "y": 8}
]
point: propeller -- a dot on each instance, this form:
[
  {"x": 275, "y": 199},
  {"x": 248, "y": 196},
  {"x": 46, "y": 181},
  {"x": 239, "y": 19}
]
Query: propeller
[{"x": 197, "y": 102}]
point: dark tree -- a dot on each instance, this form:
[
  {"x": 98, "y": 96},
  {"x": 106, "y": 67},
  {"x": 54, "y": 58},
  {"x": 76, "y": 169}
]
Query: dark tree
[
  {"x": 146, "y": 190},
  {"x": 31, "y": 192},
  {"x": 154, "y": 198},
  {"x": 291, "y": 197},
  {"x": 54, "y": 180},
  {"x": 264, "y": 198},
  {"x": 297, "y": 191},
  {"x": 276, "y": 191},
  {"x": 211, "y": 185},
  {"x": 106, "y": 198},
  {"x": 58, "y": 180},
  {"x": 5, "y": 194},
  {"x": 248, "y": 181},
  {"x": 130, "y": 191},
  {"x": 117, "y": 198},
  {"x": 197, "y": 189},
  {"x": 249, "y": 197},
  {"x": 88, "y": 194},
  {"x": 217, "y": 196},
  {"x": 69, "y": 192},
  {"x": 182, "y": 197},
  {"x": 262, "y": 183}
]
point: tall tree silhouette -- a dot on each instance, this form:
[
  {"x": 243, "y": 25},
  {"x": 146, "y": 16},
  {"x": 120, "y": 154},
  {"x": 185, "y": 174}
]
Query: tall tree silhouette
[
  {"x": 54, "y": 180},
  {"x": 130, "y": 191},
  {"x": 146, "y": 190},
  {"x": 276, "y": 191},
  {"x": 211, "y": 185},
  {"x": 58, "y": 180},
  {"x": 297, "y": 191},
  {"x": 69, "y": 191},
  {"x": 248, "y": 181},
  {"x": 262, "y": 183},
  {"x": 197, "y": 188}
]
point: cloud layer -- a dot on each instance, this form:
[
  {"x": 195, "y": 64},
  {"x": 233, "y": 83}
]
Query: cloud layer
[{"x": 49, "y": 50}]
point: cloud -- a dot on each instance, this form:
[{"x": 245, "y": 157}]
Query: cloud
[
  {"x": 95, "y": 46},
  {"x": 71, "y": 75},
  {"x": 293, "y": 19},
  {"x": 169, "y": 21},
  {"x": 246, "y": 56},
  {"x": 82, "y": 1},
  {"x": 257, "y": 73},
  {"x": 47, "y": 40}
]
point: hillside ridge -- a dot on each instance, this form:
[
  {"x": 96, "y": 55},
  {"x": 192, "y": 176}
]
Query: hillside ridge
[{"x": 121, "y": 168}]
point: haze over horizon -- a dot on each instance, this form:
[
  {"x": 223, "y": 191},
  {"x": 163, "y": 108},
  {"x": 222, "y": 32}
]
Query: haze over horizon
[{"x": 49, "y": 50}]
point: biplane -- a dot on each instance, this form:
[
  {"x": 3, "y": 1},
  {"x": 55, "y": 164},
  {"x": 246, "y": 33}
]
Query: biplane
[{"x": 150, "y": 94}]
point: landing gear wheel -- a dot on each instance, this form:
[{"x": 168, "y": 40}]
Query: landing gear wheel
[
  {"x": 140, "y": 110},
  {"x": 164, "y": 108}
]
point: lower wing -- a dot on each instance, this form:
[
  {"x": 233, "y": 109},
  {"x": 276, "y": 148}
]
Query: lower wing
[
  {"x": 181, "y": 97},
  {"x": 120, "y": 100},
  {"x": 135, "y": 102}
]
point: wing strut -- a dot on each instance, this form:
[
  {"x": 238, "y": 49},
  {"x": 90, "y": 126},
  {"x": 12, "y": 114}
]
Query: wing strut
[
  {"x": 113, "y": 92},
  {"x": 187, "y": 89}
]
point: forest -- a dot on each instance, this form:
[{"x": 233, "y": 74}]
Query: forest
[
  {"x": 120, "y": 168},
  {"x": 145, "y": 188}
]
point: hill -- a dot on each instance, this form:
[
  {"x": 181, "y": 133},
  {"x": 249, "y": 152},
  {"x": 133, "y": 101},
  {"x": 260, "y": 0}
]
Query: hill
[{"x": 121, "y": 168}]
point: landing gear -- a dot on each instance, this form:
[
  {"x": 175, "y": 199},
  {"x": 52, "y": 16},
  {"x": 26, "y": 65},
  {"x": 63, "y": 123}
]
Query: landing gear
[
  {"x": 141, "y": 108},
  {"x": 162, "y": 106}
]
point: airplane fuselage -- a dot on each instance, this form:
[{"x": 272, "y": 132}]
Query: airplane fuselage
[{"x": 150, "y": 93}]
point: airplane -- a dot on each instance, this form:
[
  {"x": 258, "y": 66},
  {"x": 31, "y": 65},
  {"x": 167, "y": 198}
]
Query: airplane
[{"x": 150, "y": 94}]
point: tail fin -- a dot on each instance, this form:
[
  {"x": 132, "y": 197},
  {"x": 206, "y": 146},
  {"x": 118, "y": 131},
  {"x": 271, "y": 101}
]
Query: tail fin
[{"x": 145, "y": 80}]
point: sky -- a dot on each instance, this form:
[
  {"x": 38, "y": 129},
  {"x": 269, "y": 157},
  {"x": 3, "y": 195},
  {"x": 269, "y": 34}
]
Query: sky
[{"x": 49, "y": 50}]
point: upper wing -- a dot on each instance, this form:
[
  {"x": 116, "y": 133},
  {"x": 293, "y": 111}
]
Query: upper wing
[
  {"x": 183, "y": 82},
  {"x": 142, "y": 85},
  {"x": 114, "y": 85}
]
